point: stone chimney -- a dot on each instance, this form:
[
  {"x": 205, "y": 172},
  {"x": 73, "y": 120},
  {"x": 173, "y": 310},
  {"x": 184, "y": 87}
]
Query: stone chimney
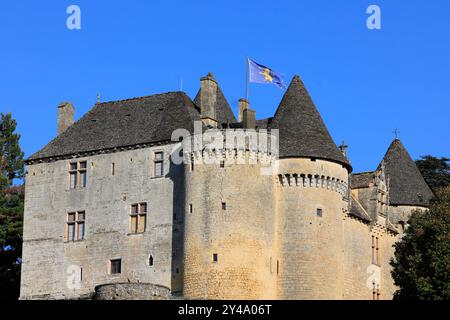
[
  {"x": 249, "y": 119},
  {"x": 66, "y": 112},
  {"x": 243, "y": 105},
  {"x": 208, "y": 97}
]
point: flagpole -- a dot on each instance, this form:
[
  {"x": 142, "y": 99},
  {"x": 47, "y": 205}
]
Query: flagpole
[{"x": 246, "y": 78}]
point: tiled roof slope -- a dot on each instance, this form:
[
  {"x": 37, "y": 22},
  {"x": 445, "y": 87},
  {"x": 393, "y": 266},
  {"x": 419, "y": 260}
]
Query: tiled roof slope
[
  {"x": 361, "y": 180},
  {"x": 357, "y": 210},
  {"x": 301, "y": 128},
  {"x": 125, "y": 123},
  {"x": 406, "y": 184}
]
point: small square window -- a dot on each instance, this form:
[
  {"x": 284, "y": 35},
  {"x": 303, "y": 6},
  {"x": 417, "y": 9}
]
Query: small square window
[
  {"x": 319, "y": 212},
  {"x": 116, "y": 266}
]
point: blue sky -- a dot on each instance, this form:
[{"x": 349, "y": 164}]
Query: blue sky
[{"x": 364, "y": 82}]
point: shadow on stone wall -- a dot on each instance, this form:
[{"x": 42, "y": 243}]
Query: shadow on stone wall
[{"x": 132, "y": 291}]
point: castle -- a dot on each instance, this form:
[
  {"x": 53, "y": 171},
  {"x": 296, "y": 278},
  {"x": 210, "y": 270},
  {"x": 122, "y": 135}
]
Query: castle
[{"x": 109, "y": 214}]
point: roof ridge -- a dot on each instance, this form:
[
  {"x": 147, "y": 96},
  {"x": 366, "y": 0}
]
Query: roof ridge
[
  {"x": 141, "y": 97},
  {"x": 364, "y": 172}
]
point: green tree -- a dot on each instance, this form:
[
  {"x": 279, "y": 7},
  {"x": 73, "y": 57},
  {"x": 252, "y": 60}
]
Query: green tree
[
  {"x": 435, "y": 171},
  {"x": 11, "y": 208},
  {"x": 421, "y": 266}
]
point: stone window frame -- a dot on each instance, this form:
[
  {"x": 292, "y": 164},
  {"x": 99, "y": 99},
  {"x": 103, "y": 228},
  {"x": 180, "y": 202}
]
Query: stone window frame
[
  {"x": 77, "y": 169},
  {"x": 138, "y": 217},
  {"x": 79, "y": 219},
  {"x": 319, "y": 212},
  {"x": 376, "y": 250},
  {"x": 158, "y": 161},
  {"x": 111, "y": 265}
]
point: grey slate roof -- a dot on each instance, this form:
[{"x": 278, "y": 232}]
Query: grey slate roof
[
  {"x": 406, "y": 184},
  {"x": 224, "y": 113},
  {"x": 152, "y": 119},
  {"x": 357, "y": 210},
  {"x": 361, "y": 180},
  {"x": 302, "y": 130},
  {"x": 125, "y": 123}
]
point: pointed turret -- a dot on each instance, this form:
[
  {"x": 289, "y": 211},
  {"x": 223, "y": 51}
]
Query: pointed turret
[
  {"x": 302, "y": 130},
  {"x": 406, "y": 184}
]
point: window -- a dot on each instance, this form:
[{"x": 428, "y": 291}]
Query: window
[
  {"x": 375, "y": 251},
  {"x": 319, "y": 212},
  {"x": 222, "y": 164},
  {"x": 215, "y": 257},
  {"x": 190, "y": 208},
  {"x": 158, "y": 164},
  {"x": 150, "y": 261},
  {"x": 113, "y": 169},
  {"x": 138, "y": 217},
  {"x": 78, "y": 174},
  {"x": 192, "y": 163},
  {"x": 224, "y": 206},
  {"x": 116, "y": 266},
  {"x": 75, "y": 226},
  {"x": 375, "y": 292}
]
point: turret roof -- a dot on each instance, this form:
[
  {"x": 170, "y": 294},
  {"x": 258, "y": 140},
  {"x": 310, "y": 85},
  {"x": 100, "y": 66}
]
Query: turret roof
[
  {"x": 301, "y": 128},
  {"x": 406, "y": 184}
]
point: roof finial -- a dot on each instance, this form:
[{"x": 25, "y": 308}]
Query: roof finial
[
  {"x": 98, "y": 97},
  {"x": 343, "y": 147},
  {"x": 396, "y": 132}
]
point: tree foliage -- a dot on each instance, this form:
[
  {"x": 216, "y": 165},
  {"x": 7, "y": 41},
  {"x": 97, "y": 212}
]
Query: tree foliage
[
  {"x": 11, "y": 208},
  {"x": 436, "y": 171},
  {"x": 421, "y": 267}
]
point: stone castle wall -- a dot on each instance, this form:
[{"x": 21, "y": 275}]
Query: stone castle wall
[
  {"x": 106, "y": 202},
  {"x": 310, "y": 246},
  {"x": 229, "y": 212},
  {"x": 265, "y": 230}
]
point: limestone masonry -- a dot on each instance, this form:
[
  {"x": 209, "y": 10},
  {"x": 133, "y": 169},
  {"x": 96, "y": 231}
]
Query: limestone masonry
[{"x": 110, "y": 215}]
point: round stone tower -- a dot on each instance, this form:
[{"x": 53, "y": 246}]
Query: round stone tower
[
  {"x": 311, "y": 192},
  {"x": 229, "y": 225}
]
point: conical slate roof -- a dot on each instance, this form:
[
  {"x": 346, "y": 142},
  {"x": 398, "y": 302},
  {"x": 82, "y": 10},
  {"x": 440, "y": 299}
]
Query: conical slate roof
[
  {"x": 406, "y": 183},
  {"x": 301, "y": 128}
]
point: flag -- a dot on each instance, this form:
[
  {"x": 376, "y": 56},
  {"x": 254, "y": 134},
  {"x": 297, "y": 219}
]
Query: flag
[{"x": 262, "y": 74}]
